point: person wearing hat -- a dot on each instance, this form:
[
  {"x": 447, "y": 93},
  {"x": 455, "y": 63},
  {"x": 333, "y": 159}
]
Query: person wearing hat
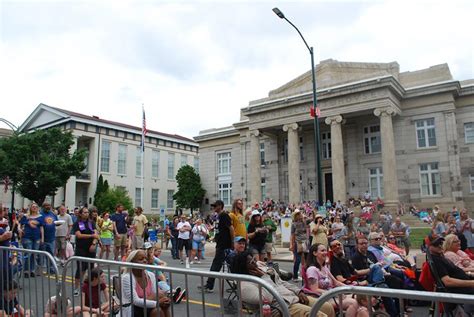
[
  {"x": 257, "y": 234},
  {"x": 298, "y": 240},
  {"x": 454, "y": 278},
  {"x": 319, "y": 231},
  {"x": 223, "y": 236}
]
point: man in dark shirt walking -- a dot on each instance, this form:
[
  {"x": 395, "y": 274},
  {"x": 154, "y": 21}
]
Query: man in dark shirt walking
[
  {"x": 119, "y": 220},
  {"x": 223, "y": 235}
]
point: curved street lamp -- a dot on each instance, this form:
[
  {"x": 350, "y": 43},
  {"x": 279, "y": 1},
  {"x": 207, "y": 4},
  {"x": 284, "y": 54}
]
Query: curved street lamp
[
  {"x": 14, "y": 128},
  {"x": 317, "y": 140}
]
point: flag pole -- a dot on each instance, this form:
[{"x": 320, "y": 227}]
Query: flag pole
[{"x": 142, "y": 158}]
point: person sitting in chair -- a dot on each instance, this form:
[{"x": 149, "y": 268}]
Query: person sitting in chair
[{"x": 298, "y": 303}]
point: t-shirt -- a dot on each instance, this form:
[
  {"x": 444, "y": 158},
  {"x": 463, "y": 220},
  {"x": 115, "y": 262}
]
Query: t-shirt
[
  {"x": 269, "y": 223},
  {"x": 94, "y": 290},
  {"x": 106, "y": 229},
  {"x": 222, "y": 231},
  {"x": 8, "y": 306},
  {"x": 87, "y": 227},
  {"x": 61, "y": 231},
  {"x": 4, "y": 243},
  {"x": 445, "y": 267},
  {"x": 259, "y": 238},
  {"x": 238, "y": 222},
  {"x": 199, "y": 232},
  {"x": 32, "y": 227},
  {"x": 299, "y": 230},
  {"x": 49, "y": 227},
  {"x": 173, "y": 230},
  {"x": 120, "y": 223},
  {"x": 140, "y": 222},
  {"x": 152, "y": 234},
  {"x": 323, "y": 276},
  {"x": 337, "y": 230},
  {"x": 340, "y": 266},
  {"x": 185, "y": 235}
]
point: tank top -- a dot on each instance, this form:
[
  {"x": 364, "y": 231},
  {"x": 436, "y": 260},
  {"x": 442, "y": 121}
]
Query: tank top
[{"x": 148, "y": 290}]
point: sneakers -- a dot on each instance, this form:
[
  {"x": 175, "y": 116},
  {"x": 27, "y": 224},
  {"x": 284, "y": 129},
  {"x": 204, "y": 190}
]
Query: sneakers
[
  {"x": 205, "y": 289},
  {"x": 198, "y": 262},
  {"x": 76, "y": 292},
  {"x": 181, "y": 262},
  {"x": 178, "y": 296},
  {"x": 175, "y": 293},
  {"x": 297, "y": 279},
  {"x": 192, "y": 262}
]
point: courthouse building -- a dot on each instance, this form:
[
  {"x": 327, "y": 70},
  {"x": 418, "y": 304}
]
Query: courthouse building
[
  {"x": 114, "y": 152},
  {"x": 404, "y": 136}
]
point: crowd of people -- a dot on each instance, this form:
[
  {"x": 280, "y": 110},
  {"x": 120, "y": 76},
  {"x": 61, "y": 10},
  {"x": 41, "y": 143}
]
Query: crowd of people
[{"x": 331, "y": 245}]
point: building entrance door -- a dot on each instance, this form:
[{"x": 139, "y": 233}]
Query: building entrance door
[{"x": 328, "y": 186}]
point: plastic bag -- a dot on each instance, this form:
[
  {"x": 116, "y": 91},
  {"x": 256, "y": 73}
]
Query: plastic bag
[{"x": 69, "y": 250}]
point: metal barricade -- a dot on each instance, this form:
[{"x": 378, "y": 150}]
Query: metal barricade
[
  {"x": 188, "y": 278},
  {"x": 33, "y": 284},
  {"x": 394, "y": 293}
]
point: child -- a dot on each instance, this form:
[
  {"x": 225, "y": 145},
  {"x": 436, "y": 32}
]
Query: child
[
  {"x": 152, "y": 236},
  {"x": 9, "y": 305},
  {"x": 91, "y": 293},
  {"x": 51, "y": 309}
]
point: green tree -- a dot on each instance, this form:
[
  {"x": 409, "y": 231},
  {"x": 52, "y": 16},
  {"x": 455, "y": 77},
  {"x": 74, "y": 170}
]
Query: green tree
[
  {"x": 102, "y": 187},
  {"x": 113, "y": 196},
  {"x": 40, "y": 162},
  {"x": 190, "y": 192}
]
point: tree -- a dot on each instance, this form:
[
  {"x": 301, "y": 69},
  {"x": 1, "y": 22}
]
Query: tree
[
  {"x": 190, "y": 192},
  {"x": 40, "y": 162},
  {"x": 102, "y": 187},
  {"x": 111, "y": 197}
]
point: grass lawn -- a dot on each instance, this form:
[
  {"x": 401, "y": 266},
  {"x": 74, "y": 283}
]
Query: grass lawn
[{"x": 417, "y": 235}]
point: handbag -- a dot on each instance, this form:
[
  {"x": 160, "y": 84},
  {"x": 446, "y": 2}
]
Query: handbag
[{"x": 69, "y": 250}]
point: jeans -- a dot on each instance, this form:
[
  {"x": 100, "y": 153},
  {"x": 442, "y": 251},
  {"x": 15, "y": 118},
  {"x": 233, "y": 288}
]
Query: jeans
[
  {"x": 30, "y": 244},
  {"x": 297, "y": 263},
  {"x": 48, "y": 247},
  {"x": 216, "y": 266},
  {"x": 174, "y": 248}
]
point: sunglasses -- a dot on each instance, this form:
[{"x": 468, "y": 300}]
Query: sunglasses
[
  {"x": 391, "y": 238},
  {"x": 335, "y": 245},
  {"x": 377, "y": 239}
]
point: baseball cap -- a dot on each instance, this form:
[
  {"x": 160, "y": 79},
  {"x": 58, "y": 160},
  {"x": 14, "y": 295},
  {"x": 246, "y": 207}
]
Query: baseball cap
[
  {"x": 255, "y": 213},
  {"x": 147, "y": 245},
  {"x": 218, "y": 203},
  {"x": 239, "y": 238},
  {"x": 435, "y": 241}
]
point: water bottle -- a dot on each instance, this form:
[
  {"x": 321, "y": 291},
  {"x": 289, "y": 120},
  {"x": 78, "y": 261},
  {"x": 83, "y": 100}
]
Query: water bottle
[{"x": 266, "y": 309}]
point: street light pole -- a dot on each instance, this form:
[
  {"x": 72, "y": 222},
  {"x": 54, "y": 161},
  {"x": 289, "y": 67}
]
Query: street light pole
[
  {"x": 14, "y": 128},
  {"x": 317, "y": 141}
]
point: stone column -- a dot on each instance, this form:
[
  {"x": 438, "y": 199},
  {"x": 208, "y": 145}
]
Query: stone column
[
  {"x": 255, "y": 179},
  {"x": 389, "y": 163},
  {"x": 337, "y": 158},
  {"x": 293, "y": 162},
  {"x": 70, "y": 190}
]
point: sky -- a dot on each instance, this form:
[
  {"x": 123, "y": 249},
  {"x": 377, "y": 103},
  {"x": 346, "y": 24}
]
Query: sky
[{"x": 195, "y": 64}]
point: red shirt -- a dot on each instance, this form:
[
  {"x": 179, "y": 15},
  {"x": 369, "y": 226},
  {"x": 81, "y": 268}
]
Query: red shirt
[{"x": 94, "y": 290}]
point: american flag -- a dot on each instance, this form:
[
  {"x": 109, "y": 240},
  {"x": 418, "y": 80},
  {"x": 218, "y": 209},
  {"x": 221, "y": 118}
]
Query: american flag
[
  {"x": 316, "y": 112},
  {"x": 144, "y": 130}
]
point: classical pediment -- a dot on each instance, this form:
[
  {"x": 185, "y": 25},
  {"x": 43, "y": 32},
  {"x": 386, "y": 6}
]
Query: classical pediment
[
  {"x": 43, "y": 116},
  {"x": 330, "y": 73}
]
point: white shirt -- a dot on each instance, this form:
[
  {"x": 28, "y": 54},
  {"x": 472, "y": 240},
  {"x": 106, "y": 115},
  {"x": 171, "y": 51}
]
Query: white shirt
[{"x": 183, "y": 235}]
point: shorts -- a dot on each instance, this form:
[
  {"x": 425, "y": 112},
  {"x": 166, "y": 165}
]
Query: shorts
[
  {"x": 61, "y": 243},
  {"x": 198, "y": 245},
  {"x": 106, "y": 241},
  {"x": 121, "y": 241},
  {"x": 300, "y": 247},
  {"x": 268, "y": 247},
  {"x": 137, "y": 242},
  {"x": 184, "y": 243},
  {"x": 257, "y": 249}
]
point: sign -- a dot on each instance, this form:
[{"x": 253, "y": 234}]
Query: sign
[
  {"x": 162, "y": 213},
  {"x": 285, "y": 229}
]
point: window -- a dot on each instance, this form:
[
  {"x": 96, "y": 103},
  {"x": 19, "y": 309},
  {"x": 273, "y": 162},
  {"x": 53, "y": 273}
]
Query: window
[
  {"x": 184, "y": 160},
  {"x": 169, "y": 199},
  {"x": 122, "y": 159},
  {"x": 262, "y": 153},
  {"x": 170, "y": 165},
  {"x": 224, "y": 163},
  {"x": 301, "y": 149},
  {"x": 138, "y": 162},
  {"x": 430, "y": 179},
  {"x": 155, "y": 163},
  {"x": 376, "y": 182},
  {"x": 471, "y": 183},
  {"x": 105, "y": 157},
  {"x": 326, "y": 145},
  {"x": 196, "y": 164},
  {"x": 154, "y": 198},
  {"x": 372, "y": 142},
  {"x": 264, "y": 189},
  {"x": 225, "y": 193},
  {"x": 425, "y": 133},
  {"x": 469, "y": 132},
  {"x": 138, "y": 197}
]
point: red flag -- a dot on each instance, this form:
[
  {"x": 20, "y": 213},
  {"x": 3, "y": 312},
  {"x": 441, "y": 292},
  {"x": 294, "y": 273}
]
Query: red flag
[
  {"x": 318, "y": 112},
  {"x": 311, "y": 112},
  {"x": 314, "y": 113}
]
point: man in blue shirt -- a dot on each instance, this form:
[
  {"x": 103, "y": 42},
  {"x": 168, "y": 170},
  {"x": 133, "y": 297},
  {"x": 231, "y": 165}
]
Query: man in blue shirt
[
  {"x": 119, "y": 219},
  {"x": 49, "y": 229}
]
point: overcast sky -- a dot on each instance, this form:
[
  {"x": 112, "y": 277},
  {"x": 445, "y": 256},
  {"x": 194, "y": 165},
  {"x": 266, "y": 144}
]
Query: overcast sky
[{"x": 193, "y": 64}]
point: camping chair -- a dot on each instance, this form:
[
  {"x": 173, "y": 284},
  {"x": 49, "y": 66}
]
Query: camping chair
[{"x": 117, "y": 295}]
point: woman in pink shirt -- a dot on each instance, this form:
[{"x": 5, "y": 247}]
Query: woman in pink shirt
[{"x": 453, "y": 252}]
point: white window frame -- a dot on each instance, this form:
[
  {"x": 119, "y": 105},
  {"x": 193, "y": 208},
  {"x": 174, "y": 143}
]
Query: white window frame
[
  {"x": 122, "y": 159},
  {"x": 262, "y": 154},
  {"x": 138, "y": 197},
  {"x": 155, "y": 193},
  {"x": 368, "y": 136},
  {"x": 184, "y": 160},
  {"x": 433, "y": 177},
  {"x": 469, "y": 132},
  {"x": 155, "y": 164},
  {"x": 171, "y": 158},
  {"x": 105, "y": 156},
  {"x": 376, "y": 175},
  {"x": 425, "y": 127},
  {"x": 224, "y": 163},
  {"x": 263, "y": 188},
  {"x": 196, "y": 164},
  {"x": 138, "y": 162},
  {"x": 224, "y": 192},
  {"x": 169, "y": 199},
  {"x": 326, "y": 145},
  {"x": 471, "y": 183}
]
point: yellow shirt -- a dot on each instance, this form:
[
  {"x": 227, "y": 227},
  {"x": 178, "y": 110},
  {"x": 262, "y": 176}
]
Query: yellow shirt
[
  {"x": 140, "y": 222},
  {"x": 238, "y": 222}
]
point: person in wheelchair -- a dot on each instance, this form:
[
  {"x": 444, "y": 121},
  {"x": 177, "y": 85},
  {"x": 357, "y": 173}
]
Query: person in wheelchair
[{"x": 299, "y": 304}]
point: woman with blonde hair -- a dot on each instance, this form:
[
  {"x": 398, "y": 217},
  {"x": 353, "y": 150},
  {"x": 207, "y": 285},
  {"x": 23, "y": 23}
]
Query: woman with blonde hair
[
  {"x": 453, "y": 252},
  {"x": 32, "y": 232},
  {"x": 439, "y": 227}
]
